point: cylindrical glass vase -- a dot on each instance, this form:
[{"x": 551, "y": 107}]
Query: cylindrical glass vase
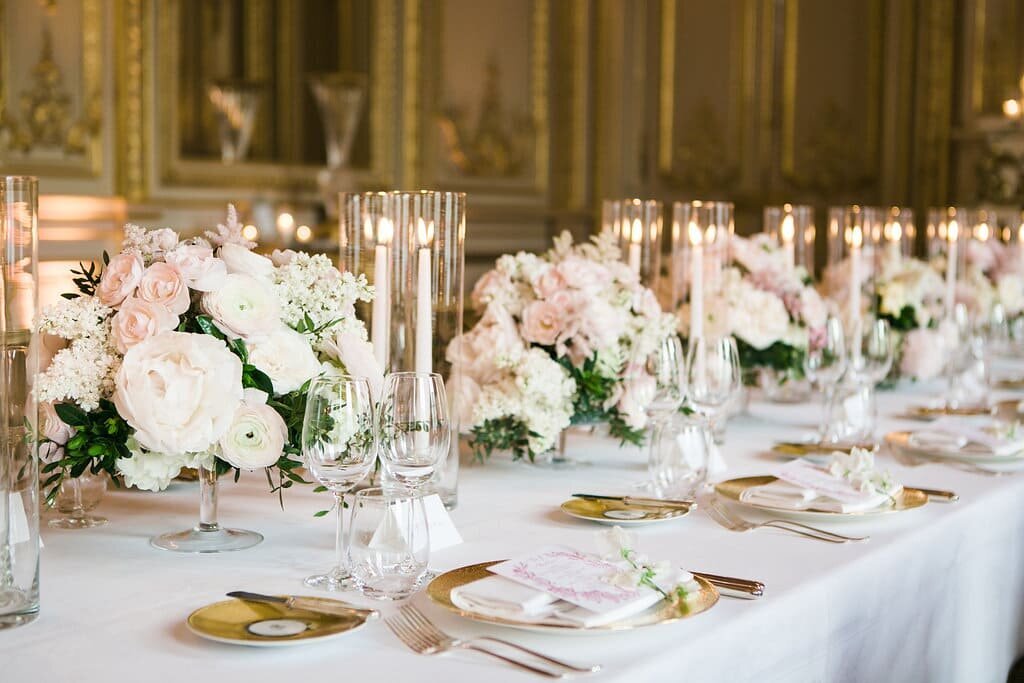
[
  {"x": 897, "y": 237},
  {"x": 637, "y": 225},
  {"x": 700, "y": 252},
  {"x": 19, "y": 458},
  {"x": 425, "y": 298},
  {"x": 851, "y": 268},
  {"x": 792, "y": 227}
]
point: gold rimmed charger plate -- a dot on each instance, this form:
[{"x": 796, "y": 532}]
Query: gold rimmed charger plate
[
  {"x": 255, "y": 624},
  {"x": 907, "y": 499},
  {"x": 440, "y": 591},
  {"x": 931, "y": 412},
  {"x": 617, "y": 512},
  {"x": 1010, "y": 383},
  {"x": 971, "y": 453}
]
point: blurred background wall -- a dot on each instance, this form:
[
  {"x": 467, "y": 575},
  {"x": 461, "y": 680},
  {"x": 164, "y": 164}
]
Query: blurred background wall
[{"x": 536, "y": 108}]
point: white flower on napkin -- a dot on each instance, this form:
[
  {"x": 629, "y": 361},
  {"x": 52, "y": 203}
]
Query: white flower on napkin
[
  {"x": 858, "y": 468},
  {"x": 638, "y": 570}
]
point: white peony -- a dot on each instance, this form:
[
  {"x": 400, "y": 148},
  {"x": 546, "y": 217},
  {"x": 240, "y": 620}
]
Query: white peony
[
  {"x": 286, "y": 357},
  {"x": 178, "y": 391},
  {"x": 924, "y": 354},
  {"x": 149, "y": 471},
  {"x": 757, "y": 317},
  {"x": 1010, "y": 291},
  {"x": 238, "y": 259},
  {"x": 355, "y": 354},
  {"x": 257, "y": 435},
  {"x": 243, "y": 306},
  {"x": 201, "y": 270}
]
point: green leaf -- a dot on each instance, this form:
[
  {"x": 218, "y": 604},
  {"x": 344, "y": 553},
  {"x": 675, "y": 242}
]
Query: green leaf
[
  {"x": 321, "y": 513},
  {"x": 72, "y": 414},
  {"x": 253, "y": 377},
  {"x": 206, "y": 325}
]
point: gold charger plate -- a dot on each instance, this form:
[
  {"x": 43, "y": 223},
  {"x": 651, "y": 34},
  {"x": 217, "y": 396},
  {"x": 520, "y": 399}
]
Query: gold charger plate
[
  {"x": 907, "y": 499},
  {"x": 929, "y": 412},
  {"x": 971, "y": 453},
  {"x": 617, "y": 512},
  {"x": 1011, "y": 383},
  {"x": 255, "y": 624},
  {"x": 440, "y": 591}
]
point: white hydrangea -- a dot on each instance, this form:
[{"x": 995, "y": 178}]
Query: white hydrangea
[
  {"x": 310, "y": 285},
  {"x": 82, "y": 373},
  {"x": 76, "y": 318}
]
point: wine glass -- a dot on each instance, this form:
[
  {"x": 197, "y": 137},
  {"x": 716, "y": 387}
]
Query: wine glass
[
  {"x": 712, "y": 375},
  {"x": 339, "y": 448},
  {"x": 824, "y": 365},
  {"x": 665, "y": 365},
  {"x": 414, "y": 427},
  {"x": 874, "y": 360}
]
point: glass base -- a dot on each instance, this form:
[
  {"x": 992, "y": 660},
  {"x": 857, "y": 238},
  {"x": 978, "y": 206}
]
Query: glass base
[
  {"x": 77, "y": 522},
  {"x": 198, "y": 540},
  {"x": 16, "y": 609},
  {"x": 331, "y": 582}
]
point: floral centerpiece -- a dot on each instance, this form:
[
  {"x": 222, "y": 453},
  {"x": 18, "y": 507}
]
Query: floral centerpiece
[
  {"x": 769, "y": 307},
  {"x": 995, "y": 275},
  {"x": 563, "y": 339},
  {"x": 191, "y": 353}
]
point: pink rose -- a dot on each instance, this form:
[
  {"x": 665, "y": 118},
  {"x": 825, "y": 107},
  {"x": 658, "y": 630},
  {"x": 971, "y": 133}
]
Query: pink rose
[
  {"x": 138, "y": 320},
  {"x": 550, "y": 283},
  {"x": 475, "y": 352},
  {"x": 162, "y": 284},
  {"x": 542, "y": 323},
  {"x": 120, "y": 278},
  {"x": 579, "y": 273},
  {"x": 198, "y": 267},
  {"x": 488, "y": 287}
]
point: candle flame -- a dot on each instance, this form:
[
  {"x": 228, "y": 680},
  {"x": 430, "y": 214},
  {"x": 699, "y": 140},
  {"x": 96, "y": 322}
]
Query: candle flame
[
  {"x": 893, "y": 231},
  {"x": 854, "y": 237},
  {"x": 385, "y": 231},
  {"x": 711, "y": 233},
  {"x": 694, "y": 233},
  {"x": 1011, "y": 108},
  {"x": 368, "y": 229},
  {"x": 1020, "y": 234},
  {"x": 953, "y": 231},
  {"x": 425, "y": 232},
  {"x": 982, "y": 232},
  {"x": 787, "y": 230},
  {"x": 638, "y": 232}
]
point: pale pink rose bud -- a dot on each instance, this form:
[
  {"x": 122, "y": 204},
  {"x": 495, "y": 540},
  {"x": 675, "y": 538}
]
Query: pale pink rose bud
[
  {"x": 120, "y": 278},
  {"x": 138, "y": 320},
  {"x": 542, "y": 323},
  {"x": 162, "y": 284}
]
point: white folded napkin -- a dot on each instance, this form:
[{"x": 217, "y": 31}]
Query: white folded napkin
[
  {"x": 784, "y": 495},
  {"x": 504, "y": 598},
  {"x": 938, "y": 435}
]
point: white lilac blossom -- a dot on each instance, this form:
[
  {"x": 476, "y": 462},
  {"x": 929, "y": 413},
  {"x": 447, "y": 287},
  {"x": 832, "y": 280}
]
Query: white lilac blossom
[{"x": 309, "y": 286}]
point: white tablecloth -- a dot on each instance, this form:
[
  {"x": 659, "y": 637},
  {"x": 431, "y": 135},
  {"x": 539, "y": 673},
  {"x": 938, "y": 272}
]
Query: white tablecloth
[{"x": 936, "y": 595}]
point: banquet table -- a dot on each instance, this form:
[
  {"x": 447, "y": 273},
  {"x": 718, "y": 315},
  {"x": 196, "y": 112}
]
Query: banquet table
[{"x": 937, "y": 594}]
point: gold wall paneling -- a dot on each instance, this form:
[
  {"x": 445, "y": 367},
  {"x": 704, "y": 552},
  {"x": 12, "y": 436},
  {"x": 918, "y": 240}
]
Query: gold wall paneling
[
  {"x": 485, "y": 114},
  {"x": 273, "y": 44},
  {"x": 706, "y": 94},
  {"x": 54, "y": 100}
]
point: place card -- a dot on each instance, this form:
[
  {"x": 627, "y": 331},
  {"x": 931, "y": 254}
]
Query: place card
[
  {"x": 577, "y": 578},
  {"x": 392, "y": 530},
  {"x": 807, "y": 476}
]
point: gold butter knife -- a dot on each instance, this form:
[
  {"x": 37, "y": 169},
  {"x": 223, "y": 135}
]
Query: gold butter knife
[
  {"x": 334, "y": 608},
  {"x": 730, "y": 586},
  {"x": 640, "y": 500},
  {"x": 938, "y": 494}
]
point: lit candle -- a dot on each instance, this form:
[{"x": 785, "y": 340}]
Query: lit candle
[
  {"x": 381, "y": 281},
  {"x": 855, "y": 239},
  {"x": 952, "y": 233},
  {"x": 982, "y": 232},
  {"x": 787, "y": 231},
  {"x": 1020, "y": 243},
  {"x": 893, "y": 236},
  {"x": 424, "y": 309},
  {"x": 696, "y": 282},
  {"x": 634, "y": 246}
]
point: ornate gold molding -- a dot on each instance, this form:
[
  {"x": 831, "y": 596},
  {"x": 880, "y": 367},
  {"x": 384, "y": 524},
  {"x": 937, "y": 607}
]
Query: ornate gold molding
[
  {"x": 412, "y": 70},
  {"x": 131, "y": 56}
]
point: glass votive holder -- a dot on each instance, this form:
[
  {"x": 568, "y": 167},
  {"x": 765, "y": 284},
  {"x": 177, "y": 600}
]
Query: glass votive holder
[
  {"x": 389, "y": 543},
  {"x": 850, "y": 270},
  {"x": 636, "y": 225},
  {"x": 700, "y": 249},
  {"x": 791, "y": 226},
  {"x": 896, "y": 237}
]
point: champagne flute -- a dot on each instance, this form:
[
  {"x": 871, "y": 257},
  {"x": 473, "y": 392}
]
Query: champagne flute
[
  {"x": 712, "y": 375},
  {"x": 339, "y": 448},
  {"x": 824, "y": 365},
  {"x": 665, "y": 365}
]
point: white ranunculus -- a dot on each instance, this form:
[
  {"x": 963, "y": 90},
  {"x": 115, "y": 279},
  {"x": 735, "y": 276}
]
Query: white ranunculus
[
  {"x": 179, "y": 391},
  {"x": 355, "y": 354},
  {"x": 257, "y": 435},
  {"x": 243, "y": 307},
  {"x": 238, "y": 259},
  {"x": 201, "y": 270},
  {"x": 286, "y": 357},
  {"x": 148, "y": 471}
]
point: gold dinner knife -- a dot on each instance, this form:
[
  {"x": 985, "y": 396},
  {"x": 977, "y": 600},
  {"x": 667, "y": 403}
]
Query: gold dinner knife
[
  {"x": 938, "y": 494},
  {"x": 745, "y": 589},
  {"x": 640, "y": 500},
  {"x": 334, "y": 608},
  {"x": 804, "y": 448}
]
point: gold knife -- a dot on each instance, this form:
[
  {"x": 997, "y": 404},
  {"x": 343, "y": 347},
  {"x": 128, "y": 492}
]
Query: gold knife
[
  {"x": 938, "y": 494},
  {"x": 746, "y": 589},
  {"x": 640, "y": 500},
  {"x": 334, "y": 608},
  {"x": 803, "y": 448}
]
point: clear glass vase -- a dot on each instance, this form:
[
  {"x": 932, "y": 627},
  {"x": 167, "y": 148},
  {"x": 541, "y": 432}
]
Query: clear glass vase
[
  {"x": 208, "y": 536},
  {"x": 76, "y": 498},
  {"x": 340, "y": 97},
  {"x": 236, "y": 103},
  {"x": 19, "y": 456}
]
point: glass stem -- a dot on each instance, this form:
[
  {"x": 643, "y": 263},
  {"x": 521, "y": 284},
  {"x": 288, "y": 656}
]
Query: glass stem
[
  {"x": 341, "y": 566},
  {"x": 208, "y": 500},
  {"x": 826, "y": 417},
  {"x": 77, "y": 509}
]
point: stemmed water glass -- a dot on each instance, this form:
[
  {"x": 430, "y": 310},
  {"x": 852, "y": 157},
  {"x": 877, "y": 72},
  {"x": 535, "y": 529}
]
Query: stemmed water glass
[
  {"x": 665, "y": 365},
  {"x": 712, "y": 376},
  {"x": 874, "y": 360},
  {"x": 824, "y": 365},
  {"x": 339, "y": 447},
  {"x": 415, "y": 430}
]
